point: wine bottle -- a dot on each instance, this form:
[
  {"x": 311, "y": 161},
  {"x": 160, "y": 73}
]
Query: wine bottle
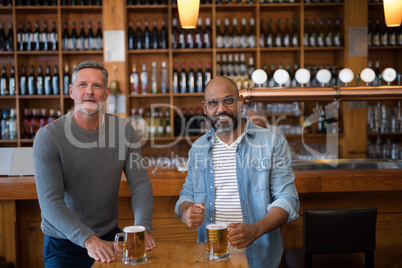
[
  {"x": 286, "y": 34},
  {"x": 4, "y": 87},
  {"x": 65, "y": 37},
  {"x": 270, "y": 34},
  {"x": 175, "y": 82},
  {"x": 146, "y": 36},
  {"x": 39, "y": 81},
  {"x": 175, "y": 34},
  {"x": 72, "y": 44},
  {"x": 262, "y": 33},
  {"x": 229, "y": 66},
  {"x": 31, "y": 82},
  {"x": 44, "y": 42},
  {"x": 90, "y": 44},
  {"x": 329, "y": 35},
  {"x": 55, "y": 81},
  {"x": 199, "y": 83},
  {"x": 81, "y": 38},
  {"x": 190, "y": 38},
  {"x": 338, "y": 40},
  {"x": 29, "y": 37},
  {"x": 227, "y": 39},
  {"x": 183, "y": 79},
  {"x": 321, "y": 34},
  {"x": 207, "y": 37},
  {"x": 219, "y": 35},
  {"x": 53, "y": 38},
  {"x": 207, "y": 74},
  {"x": 144, "y": 79},
  {"x": 164, "y": 78},
  {"x": 47, "y": 82},
  {"x": 154, "y": 78},
  {"x": 243, "y": 39},
  {"x": 36, "y": 38},
  {"x": 295, "y": 34},
  {"x": 384, "y": 35},
  {"x": 23, "y": 81},
  {"x": 20, "y": 38},
  {"x": 377, "y": 34},
  {"x": 154, "y": 36},
  {"x": 134, "y": 80},
  {"x": 199, "y": 34},
  {"x": 306, "y": 33},
  {"x": 312, "y": 40},
  {"x": 163, "y": 40},
  {"x": 251, "y": 34},
  {"x": 66, "y": 80},
  {"x": 278, "y": 34},
  {"x": 10, "y": 38},
  {"x": 99, "y": 38},
  {"x": 191, "y": 79},
  {"x": 130, "y": 35},
  {"x": 235, "y": 35},
  {"x": 11, "y": 82},
  {"x": 138, "y": 36},
  {"x": 2, "y": 38}
]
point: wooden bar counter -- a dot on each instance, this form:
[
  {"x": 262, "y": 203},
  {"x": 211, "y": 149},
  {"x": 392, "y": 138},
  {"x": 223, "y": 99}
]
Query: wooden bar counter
[
  {"x": 182, "y": 255},
  {"x": 21, "y": 239}
]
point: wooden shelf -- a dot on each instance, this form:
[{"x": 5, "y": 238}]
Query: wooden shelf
[{"x": 385, "y": 134}]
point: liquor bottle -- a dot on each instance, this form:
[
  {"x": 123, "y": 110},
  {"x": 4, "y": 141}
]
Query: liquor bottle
[
  {"x": 312, "y": 37},
  {"x": 338, "y": 40},
  {"x": 377, "y": 80},
  {"x": 370, "y": 33},
  {"x": 392, "y": 36},
  {"x": 12, "y": 125},
  {"x": 4, "y": 88},
  {"x": 164, "y": 78},
  {"x": 243, "y": 38},
  {"x": 36, "y": 38},
  {"x": 175, "y": 34},
  {"x": 81, "y": 38},
  {"x": 55, "y": 81},
  {"x": 5, "y": 134},
  {"x": 224, "y": 66},
  {"x": 158, "y": 120},
  {"x": 286, "y": 34},
  {"x": 329, "y": 35},
  {"x": 229, "y": 67},
  {"x": 235, "y": 35},
  {"x": 90, "y": 44},
  {"x": 270, "y": 35},
  {"x": 199, "y": 85},
  {"x": 154, "y": 36},
  {"x": 377, "y": 34},
  {"x": 199, "y": 34},
  {"x": 163, "y": 40},
  {"x": 251, "y": 34},
  {"x": 207, "y": 34},
  {"x": 2, "y": 38},
  {"x": 66, "y": 80},
  {"x": 306, "y": 33},
  {"x": 72, "y": 40},
  {"x": 99, "y": 38},
  {"x": 47, "y": 82},
  {"x": 29, "y": 37},
  {"x": 154, "y": 78},
  {"x": 175, "y": 82},
  {"x": 146, "y": 36},
  {"x": 144, "y": 79},
  {"x": 177, "y": 124},
  {"x": 191, "y": 79},
  {"x": 190, "y": 38},
  {"x": 227, "y": 38},
  {"x": 43, "y": 38},
  {"x": 384, "y": 35},
  {"x": 321, "y": 34},
  {"x": 31, "y": 82},
  {"x": 138, "y": 36},
  {"x": 134, "y": 80},
  {"x": 219, "y": 35},
  {"x": 23, "y": 81},
  {"x": 10, "y": 38},
  {"x": 262, "y": 34},
  {"x": 39, "y": 81},
  {"x": 183, "y": 79},
  {"x": 167, "y": 126},
  {"x": 65, "y": 37},
  {"x": 278, "y": 34},
  {"x": 53, "y": 38},
  {"x": 20, "y": 38},
  {"x": 295, "y": 34}
]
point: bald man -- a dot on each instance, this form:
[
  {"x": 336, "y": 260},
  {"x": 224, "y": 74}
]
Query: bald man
[{"x": 240, "y": 174}]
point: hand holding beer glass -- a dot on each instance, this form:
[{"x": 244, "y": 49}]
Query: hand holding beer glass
[
  {"x": 217, "y": 242},
  {"x": 133, "y": 252}
]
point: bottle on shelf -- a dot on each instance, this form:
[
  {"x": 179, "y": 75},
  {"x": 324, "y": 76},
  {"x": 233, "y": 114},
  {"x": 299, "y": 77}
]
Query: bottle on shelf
[
  {"x": 175, "y": 34},
  {"x": 183, "y": 79},
  {"x": 72, "y": 40},
  {"x": 36, "y": 38},
  {"x": 146, "y": 39},
  {"x": 219, "y": 35},
  {"x": 236, "y": 38},
  {"x": 144, "y": 79},
  {"x": 182, "y": 38},
  {"x": 99, "y": 38},
  {"x": 134, "y": 80},
  {"x": 31, "y": 82},
  {"x": 138, "y": 36},
  {"x": 166, "y": 124},
  {"x": 278, "y": 34},
  {"x": 9, "y": 46},
  {"x": 321, "y": 34},
  {"x": 163, "y": 40},
  {"x": 43, "y": 38},
  {"x": 55, "y": 81},
  {"x": 5, "y": 125},
  {"x": 164, "y": 78},
  {"x": 199, "y": 85},
  {"x": 66, "y": 80},
  {"x": 286, "y": 34},
  {"x": 270, "y": 35},
  {"x": 47, "y": 82},
  {"x": 154, "y": 78},
  {"x": 53, "y": 38},
  {"x": 191, "y": 78},
  {"x": 228, "y": 35},
  {"x": 65, "y": 37},
  {"x": 329, "y": 35},
  {"x": 175, "y": 82},
  {"x": 295, "y": 34},
  {"x": 12, "y": 125},
  {"x": 82, "y": 38},
  {"x": 262, "y": 34},
  {"x": 154, "y": 36},
  {"x": 29, "y": 39},
  {"x": 4, "y": 87},
  {"x": 376, "y": 36},
  {"x": 89, "y": 41},
  {"x": 130, "y": 35},
  {"x": 312, "y": 35},
  {"x": 23, "y": 81},
  {"x": 190, "y": 36},
  {"x": 199, "y": 34},
  {"x": 207, "y": 37},
  {"x": 20, "y": 38},
  {"x": 39, "y": 82},
  {"x": 252, "y": 34},
  {"x": 338, "y": 37}
]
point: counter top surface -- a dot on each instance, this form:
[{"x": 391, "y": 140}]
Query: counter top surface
[{"x": 181, "y": 254}]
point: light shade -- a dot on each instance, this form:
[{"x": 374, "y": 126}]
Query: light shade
[
  {"x": 188, "y": 13},
  {"x": 393, "y": 12}
]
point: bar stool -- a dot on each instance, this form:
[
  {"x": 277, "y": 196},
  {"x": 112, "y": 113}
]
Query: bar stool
[{"x": 334, "y": 237}]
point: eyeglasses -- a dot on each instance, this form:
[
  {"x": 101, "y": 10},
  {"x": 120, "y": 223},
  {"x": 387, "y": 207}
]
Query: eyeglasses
[{"x": 228, "y": 101}]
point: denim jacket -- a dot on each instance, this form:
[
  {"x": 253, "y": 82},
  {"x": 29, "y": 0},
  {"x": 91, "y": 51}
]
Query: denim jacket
[{"x": 264, "y": 177}]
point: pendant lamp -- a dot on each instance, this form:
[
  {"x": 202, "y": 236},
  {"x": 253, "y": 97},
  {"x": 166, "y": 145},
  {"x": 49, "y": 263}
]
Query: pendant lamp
[
  {"x": 188, "y": 13},
  {"x": 393, "y": 12}
]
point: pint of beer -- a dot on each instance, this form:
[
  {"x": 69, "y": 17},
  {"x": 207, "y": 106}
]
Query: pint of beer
[
  {"x": 217, "y": 242},
  {"x": 133, "y": 251}
]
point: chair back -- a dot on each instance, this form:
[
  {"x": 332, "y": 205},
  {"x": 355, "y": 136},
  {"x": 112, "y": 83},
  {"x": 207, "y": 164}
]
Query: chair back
[{"x": 348, "y": 230}]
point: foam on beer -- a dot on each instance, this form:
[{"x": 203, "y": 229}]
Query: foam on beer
[
  {"x": 133, "y": 229},
  {"x": 217, "y": 226}
]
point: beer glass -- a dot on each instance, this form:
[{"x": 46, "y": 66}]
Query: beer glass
[
  {"x": 133, "y": 251},
  {"x": 217, "y": 242}
]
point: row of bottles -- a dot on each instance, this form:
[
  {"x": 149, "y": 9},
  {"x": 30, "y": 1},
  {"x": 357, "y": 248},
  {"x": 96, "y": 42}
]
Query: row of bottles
[
  {"x": 143, "y": 83},
  {"x": 8, "y": 124},
  {"x": 384, "y": 150},
  {"x": 234, "y": 67},
  {"x": 54, "y": 2},
  {"x": 6, "y": 40},
  {"x": 83, "y": 41},
  {"x": 198, "y": 38},
  {"x": 190, "y": 122},
  {"x": 36, "y": 118},
  {"x": 276, "y": 36},
  {"x": 39, "y": 84},
  {"x": 7, "y": 83},
  {"x": 323, "y": 35},
  {"x": 381, "y": 35},
  {"x": 146, "y": 2},
  {"x": 382, "y": 118},
  {"x": 378, "y": 81},
  {"x": 145, "y": 38},
  {"x": 154, "y": 123},
  {"x": 191, "y": 81},
  {"x": 230, "y": 37},
  {"x": 28, "y": 40}
]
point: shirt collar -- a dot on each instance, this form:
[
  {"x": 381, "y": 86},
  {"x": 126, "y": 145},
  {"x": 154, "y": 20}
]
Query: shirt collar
[{"x": 250, "y": 130}]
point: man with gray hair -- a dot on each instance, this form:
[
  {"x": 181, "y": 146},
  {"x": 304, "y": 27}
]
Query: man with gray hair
[{"x": 78, "y": 160}]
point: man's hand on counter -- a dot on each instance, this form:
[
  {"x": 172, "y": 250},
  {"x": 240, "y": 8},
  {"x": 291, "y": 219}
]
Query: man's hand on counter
[
  {"x": 149, "y": 242},
  {"x": 99, "y": 249}
]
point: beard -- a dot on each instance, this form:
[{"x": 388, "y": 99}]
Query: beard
[{"x": 225, "y": 128}]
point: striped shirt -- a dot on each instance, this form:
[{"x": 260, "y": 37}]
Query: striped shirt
[{"x": 227, "y": 201}]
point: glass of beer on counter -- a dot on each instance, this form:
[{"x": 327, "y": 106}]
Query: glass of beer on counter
[
  {"x": 217, "y": 242},
  {"x": 133, "y": 251}
]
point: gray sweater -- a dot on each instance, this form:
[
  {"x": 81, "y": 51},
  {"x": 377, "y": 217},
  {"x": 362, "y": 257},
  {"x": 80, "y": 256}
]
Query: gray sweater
[{"x": 78, "y": 173}]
